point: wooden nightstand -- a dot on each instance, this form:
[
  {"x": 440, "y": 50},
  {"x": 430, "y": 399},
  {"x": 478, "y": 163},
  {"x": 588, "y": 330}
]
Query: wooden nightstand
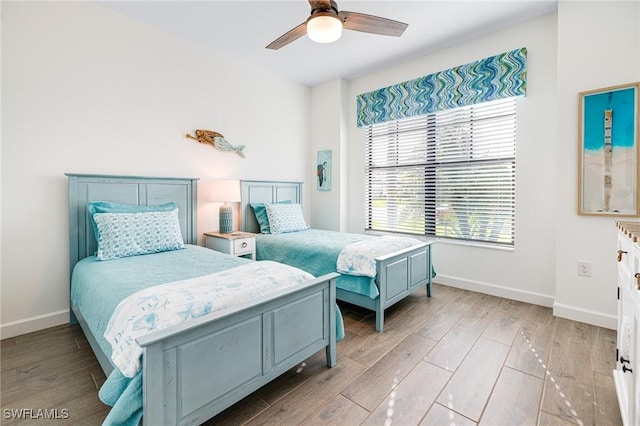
[{"x": 236, "y": 243}]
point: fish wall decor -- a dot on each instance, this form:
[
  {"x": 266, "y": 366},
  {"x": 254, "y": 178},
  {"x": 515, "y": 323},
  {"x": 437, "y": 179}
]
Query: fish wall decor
[{"x": 216, "y": 140}]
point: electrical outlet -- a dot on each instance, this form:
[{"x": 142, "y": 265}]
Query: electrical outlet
[{"x": 584, "y": 269}]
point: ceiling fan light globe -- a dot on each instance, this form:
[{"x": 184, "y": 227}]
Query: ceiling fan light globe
[{"x": 324, "y": 27}]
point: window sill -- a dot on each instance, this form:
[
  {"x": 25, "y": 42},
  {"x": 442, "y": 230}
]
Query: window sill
[{"x": 446, "y": 241}]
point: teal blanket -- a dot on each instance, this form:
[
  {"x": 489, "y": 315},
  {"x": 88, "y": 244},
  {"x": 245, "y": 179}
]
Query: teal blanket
[
  {"x": 111, "y": 281},
  {"x": 316, "y": 251}
]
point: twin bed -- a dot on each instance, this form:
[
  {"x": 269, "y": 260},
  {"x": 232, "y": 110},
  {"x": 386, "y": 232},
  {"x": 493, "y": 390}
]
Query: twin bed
[
  {"x": 190, "y": 371},
  {"x": 395, "y": 275}
]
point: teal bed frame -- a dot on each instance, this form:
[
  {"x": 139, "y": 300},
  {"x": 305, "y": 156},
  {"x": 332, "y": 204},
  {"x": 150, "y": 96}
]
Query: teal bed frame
[
  {"x": 397, "y": 274},
  {"x": 193, "y": 371}
]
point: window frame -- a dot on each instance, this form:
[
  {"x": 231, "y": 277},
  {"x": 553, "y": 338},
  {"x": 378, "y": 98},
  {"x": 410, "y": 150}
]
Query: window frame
[{"x": 493, "y": 147}]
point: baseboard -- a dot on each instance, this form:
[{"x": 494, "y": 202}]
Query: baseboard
[
  {"x": 563, "y": 311},
  {"x": 576, "y": 313},
  {"x": 496, "y": 290},
  {"x": 40, "y": 322}
]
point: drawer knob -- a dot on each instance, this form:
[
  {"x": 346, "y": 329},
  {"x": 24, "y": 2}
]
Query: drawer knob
[
  {"x": 620, "y": 253},
  {"x": 625, "y": 369},
  {"x": 244, "y": 244},
  {"x": 637, "y": 275}
]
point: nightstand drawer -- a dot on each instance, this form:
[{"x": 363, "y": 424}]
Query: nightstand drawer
[
  {"x": 244, "y": 245},
  {"x": 236, "y": 243}
]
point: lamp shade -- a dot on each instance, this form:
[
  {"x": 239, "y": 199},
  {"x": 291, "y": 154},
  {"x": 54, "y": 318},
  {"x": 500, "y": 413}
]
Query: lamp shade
[
  {"x": 324, "y": 27},
  {"x": 226, "y": 190}
]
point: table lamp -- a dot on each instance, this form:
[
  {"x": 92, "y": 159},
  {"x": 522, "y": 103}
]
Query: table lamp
[{"x": 226, "y": 191}]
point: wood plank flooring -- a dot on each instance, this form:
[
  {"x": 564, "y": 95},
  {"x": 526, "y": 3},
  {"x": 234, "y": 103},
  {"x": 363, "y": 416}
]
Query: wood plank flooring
[{"x": 457, "y": 358}]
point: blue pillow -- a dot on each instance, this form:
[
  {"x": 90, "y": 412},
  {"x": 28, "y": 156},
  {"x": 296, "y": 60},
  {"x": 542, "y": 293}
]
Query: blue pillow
[
  {"x": 131, "y": 234},
  {"x": 261, "y": 215},
  {"x": 109, "y": 207}
]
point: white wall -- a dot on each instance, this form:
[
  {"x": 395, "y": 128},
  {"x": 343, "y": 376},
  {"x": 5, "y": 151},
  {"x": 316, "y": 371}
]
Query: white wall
[
  {"x": 87, "y": 90},
  {"x": 328, "y": 124},
  {"x": 526, "y": 273},
  {"x": 598, "y": 46}
]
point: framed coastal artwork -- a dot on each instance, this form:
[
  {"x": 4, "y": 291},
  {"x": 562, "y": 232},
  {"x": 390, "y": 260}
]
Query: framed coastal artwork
[
  {"x": 608, "y": 151},
  {"x": 323, "y": 170}
]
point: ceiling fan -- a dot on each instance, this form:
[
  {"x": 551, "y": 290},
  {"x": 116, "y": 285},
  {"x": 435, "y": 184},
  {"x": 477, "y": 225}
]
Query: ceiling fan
[{"x": 325, "y": 25}]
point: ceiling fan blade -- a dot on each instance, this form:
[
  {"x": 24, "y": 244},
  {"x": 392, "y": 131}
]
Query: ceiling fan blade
[
  {"x": 288, "y": 37},
  {"x": 371, "y": 24}
]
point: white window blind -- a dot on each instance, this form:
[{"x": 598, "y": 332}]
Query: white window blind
[{"x": 449, "y": 174}]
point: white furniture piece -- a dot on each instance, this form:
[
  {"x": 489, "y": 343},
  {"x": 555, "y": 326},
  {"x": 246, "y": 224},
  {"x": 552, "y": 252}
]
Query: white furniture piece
[
  {"x": 627, "y": 374},
  {"x": 235, "y": 243}
]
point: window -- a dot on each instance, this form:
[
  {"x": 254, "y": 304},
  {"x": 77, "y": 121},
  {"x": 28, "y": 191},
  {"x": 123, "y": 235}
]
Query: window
[{"x": 449, "y": 174}]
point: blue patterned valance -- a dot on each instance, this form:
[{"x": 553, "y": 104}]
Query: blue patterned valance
[{"x": 492, "y": 78}]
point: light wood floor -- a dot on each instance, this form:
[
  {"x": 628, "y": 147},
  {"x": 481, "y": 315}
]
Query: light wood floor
[{"x": 458, "y": 358}]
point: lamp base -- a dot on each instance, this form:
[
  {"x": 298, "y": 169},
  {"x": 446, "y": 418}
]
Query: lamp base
[{"x": 226, "y": 220}]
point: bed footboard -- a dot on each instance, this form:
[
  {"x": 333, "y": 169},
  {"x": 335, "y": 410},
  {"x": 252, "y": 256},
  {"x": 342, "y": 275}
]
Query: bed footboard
[
  {"x": 191, "y": 375},
  {"x": 397, "y": 275}
]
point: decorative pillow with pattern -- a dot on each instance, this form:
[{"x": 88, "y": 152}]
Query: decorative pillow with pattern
[
  {"x": 285, "y": 218},
  {"x": 132, "y": 234},
  {"x": 261, "y": 215},
  {"x": 94, "y": 207}
]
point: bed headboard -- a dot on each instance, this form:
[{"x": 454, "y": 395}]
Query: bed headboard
[
  {"x": 260, "y": 191},
  {"x": 134, "y": 190}
]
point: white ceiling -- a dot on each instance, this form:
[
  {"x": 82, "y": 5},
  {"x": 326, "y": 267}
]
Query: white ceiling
[{"x": 242, "y": 29}]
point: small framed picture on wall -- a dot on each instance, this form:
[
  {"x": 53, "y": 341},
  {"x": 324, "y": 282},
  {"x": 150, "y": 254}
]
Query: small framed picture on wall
[{"x": 323, "y": 170}]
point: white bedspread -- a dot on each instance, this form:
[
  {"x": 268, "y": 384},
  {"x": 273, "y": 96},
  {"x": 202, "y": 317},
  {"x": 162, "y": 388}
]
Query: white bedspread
[
  {"x": 360, "y": 258},
  {"x": 169, "y": 304}
]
